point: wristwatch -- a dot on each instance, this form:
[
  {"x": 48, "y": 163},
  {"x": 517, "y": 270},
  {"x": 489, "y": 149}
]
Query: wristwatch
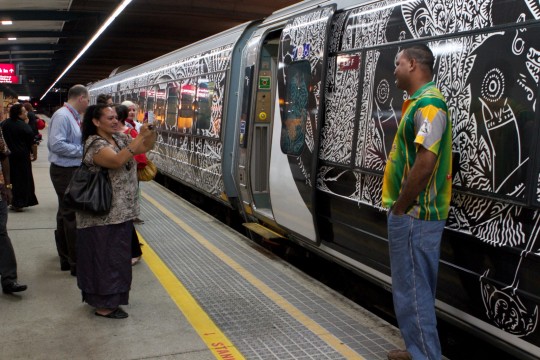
[{"x": 9, "y": 186}]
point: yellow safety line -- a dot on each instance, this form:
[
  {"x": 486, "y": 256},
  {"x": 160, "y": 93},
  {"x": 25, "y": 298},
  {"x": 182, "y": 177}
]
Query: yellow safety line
[
  {"x": 217, "y": 342},
  {"x": 309, "y": 323}
]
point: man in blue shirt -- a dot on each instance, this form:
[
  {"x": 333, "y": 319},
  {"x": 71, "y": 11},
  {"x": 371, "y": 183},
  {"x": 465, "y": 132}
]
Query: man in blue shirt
[{"x": 65, "y": 155}]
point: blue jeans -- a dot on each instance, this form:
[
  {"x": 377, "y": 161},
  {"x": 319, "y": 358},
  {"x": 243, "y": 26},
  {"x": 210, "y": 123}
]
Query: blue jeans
[{"x": 414, "y": 261}]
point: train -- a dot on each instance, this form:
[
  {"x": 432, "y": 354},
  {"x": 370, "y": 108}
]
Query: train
[{"x": 289, "y": 120}]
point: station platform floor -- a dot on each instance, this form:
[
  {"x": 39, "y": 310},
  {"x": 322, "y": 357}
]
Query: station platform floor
[{"x": 201, "y": 291}]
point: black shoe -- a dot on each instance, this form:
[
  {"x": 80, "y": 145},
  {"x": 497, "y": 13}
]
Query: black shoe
[
  {"x": 117, "y": 313},
  {"x": 13, "y": 287},
  {"x": 64, "y": 265},
  {"x": 73, "y": 271}
]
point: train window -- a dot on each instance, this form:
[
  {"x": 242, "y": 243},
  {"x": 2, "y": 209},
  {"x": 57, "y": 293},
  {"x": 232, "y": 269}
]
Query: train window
[
  {"x": 150, "y": 100},
  {"x": 134, "y": 97},
  {"x": 341, "y": 102},
  {"x": 378, "y": 121},
  {"x": 142, "y": 104},
  {"x": 491, "y": 101},
  {"x": 171, "y": 106},
  {"x": 203, "y": 110},
  {"x": 294, "y": 110},
  {"x": 186, "y": 105},
  {"x": 493, "y": 132},
  {"x": 159, "y": 105},
  {"x": 246, "y": 105}
]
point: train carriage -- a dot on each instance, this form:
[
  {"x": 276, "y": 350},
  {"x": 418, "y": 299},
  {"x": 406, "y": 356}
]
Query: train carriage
[
  {"x": 185, "y": 92},
  {"x": 290, "y": 121}
]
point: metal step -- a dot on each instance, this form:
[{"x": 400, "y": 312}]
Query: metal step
[{"x": 263, "y": 231}]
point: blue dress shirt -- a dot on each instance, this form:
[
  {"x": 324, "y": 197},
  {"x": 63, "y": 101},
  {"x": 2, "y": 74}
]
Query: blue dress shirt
[{"x": 65, "y": 146}]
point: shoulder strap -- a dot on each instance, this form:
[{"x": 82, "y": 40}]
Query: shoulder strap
[
  {"x": 89, "y": 146},
  {"x": 93, "y": 141},
  {"x": 116, "y": 142}
]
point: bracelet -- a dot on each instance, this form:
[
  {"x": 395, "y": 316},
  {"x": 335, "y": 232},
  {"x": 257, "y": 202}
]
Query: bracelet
[
  {"x": 9, "y": 186},
  {"x": 130, "y": 150}
]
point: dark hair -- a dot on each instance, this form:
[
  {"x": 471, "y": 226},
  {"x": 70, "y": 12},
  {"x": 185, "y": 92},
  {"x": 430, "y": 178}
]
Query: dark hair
[
  {"x": 92, "y": 112},
  {"x": 422, "y": 54},
  {"x": 77, "y": 90},
  {"x": 122, "y": 111},
  {"x": 102, "y": 98},
  {"x": 15, "y": 111},
  {"x": 28, "y": 106}
]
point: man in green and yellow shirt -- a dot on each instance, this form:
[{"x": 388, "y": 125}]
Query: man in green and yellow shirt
[{"x": 417, "y": 187}]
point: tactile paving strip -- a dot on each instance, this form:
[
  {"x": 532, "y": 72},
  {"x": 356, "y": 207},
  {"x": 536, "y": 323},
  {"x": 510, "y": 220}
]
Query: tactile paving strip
[{"x": 258, "y": 327}]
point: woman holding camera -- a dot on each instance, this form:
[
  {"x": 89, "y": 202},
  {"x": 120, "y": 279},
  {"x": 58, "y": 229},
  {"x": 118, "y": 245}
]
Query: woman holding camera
[{"x": 104, "y": 241}]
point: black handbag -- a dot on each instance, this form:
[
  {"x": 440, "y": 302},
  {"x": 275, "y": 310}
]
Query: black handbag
[{"x": 88, "y": 190}]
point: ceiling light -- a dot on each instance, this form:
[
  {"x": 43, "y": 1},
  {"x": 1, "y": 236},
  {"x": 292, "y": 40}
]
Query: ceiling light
[
  {"x": 12, "y": 39},
  {"x": 7, "y": 22},
  {"x": 108, "y": 22}
]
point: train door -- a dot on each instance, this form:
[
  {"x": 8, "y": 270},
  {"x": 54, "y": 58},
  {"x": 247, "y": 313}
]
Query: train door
[
  {"x": 296, "y": 122},
  {"x": 261, "y": 132}
]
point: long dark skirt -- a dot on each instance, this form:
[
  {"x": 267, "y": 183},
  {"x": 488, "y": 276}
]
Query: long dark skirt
[
  {"x": 135, "y": 245},
  {"x": 24, "y": 192},
  {"x": 104, "y": 264}
]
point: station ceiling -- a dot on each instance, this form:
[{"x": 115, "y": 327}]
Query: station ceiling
[{"x": 50, "y": 33}]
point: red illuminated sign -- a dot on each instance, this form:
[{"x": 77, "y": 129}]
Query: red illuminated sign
[
  {"x": 348, "y": 62},
  {"x": 7, "y": 79},
  {"x": 8, "y": 69}
]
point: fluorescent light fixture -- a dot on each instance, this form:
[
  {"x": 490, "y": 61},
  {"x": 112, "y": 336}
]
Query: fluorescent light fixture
[
  {"x": 7, "y": 22},
  {"x": 103, "y": 27},
  {"x": 12, "y": 38}
]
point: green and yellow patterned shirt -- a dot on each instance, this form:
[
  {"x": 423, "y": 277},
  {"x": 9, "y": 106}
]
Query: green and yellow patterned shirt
[{"x": 424, "y": 122}]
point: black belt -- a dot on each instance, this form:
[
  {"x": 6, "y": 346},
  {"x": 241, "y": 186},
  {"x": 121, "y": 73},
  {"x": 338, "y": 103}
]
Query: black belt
[{"x": 63, "y": 167}]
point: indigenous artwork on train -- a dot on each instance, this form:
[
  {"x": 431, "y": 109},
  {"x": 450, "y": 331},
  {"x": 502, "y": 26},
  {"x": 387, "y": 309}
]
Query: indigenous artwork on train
[
  {"x": 293, "y": 131},
  {"x": 186, "y": 97},
  {"x": 492, "y": 104},
  {"x": 302, "y": 50}
]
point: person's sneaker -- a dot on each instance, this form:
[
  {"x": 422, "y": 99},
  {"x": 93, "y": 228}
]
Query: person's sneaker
[{"x": 399, "y": 355}]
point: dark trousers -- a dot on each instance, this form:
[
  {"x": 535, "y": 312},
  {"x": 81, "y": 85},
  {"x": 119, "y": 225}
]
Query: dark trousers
[
  {"x": 135, "y": 245},
  {"x": 8, "y": 264},
  {"x": 66, "y": 225}
]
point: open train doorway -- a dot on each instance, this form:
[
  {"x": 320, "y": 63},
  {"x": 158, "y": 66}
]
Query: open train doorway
[{"x": 262, "y": 126}]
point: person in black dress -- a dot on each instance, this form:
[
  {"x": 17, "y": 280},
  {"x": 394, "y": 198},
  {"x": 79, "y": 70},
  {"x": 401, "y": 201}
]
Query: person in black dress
[{"x": 19, "y": 139}]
